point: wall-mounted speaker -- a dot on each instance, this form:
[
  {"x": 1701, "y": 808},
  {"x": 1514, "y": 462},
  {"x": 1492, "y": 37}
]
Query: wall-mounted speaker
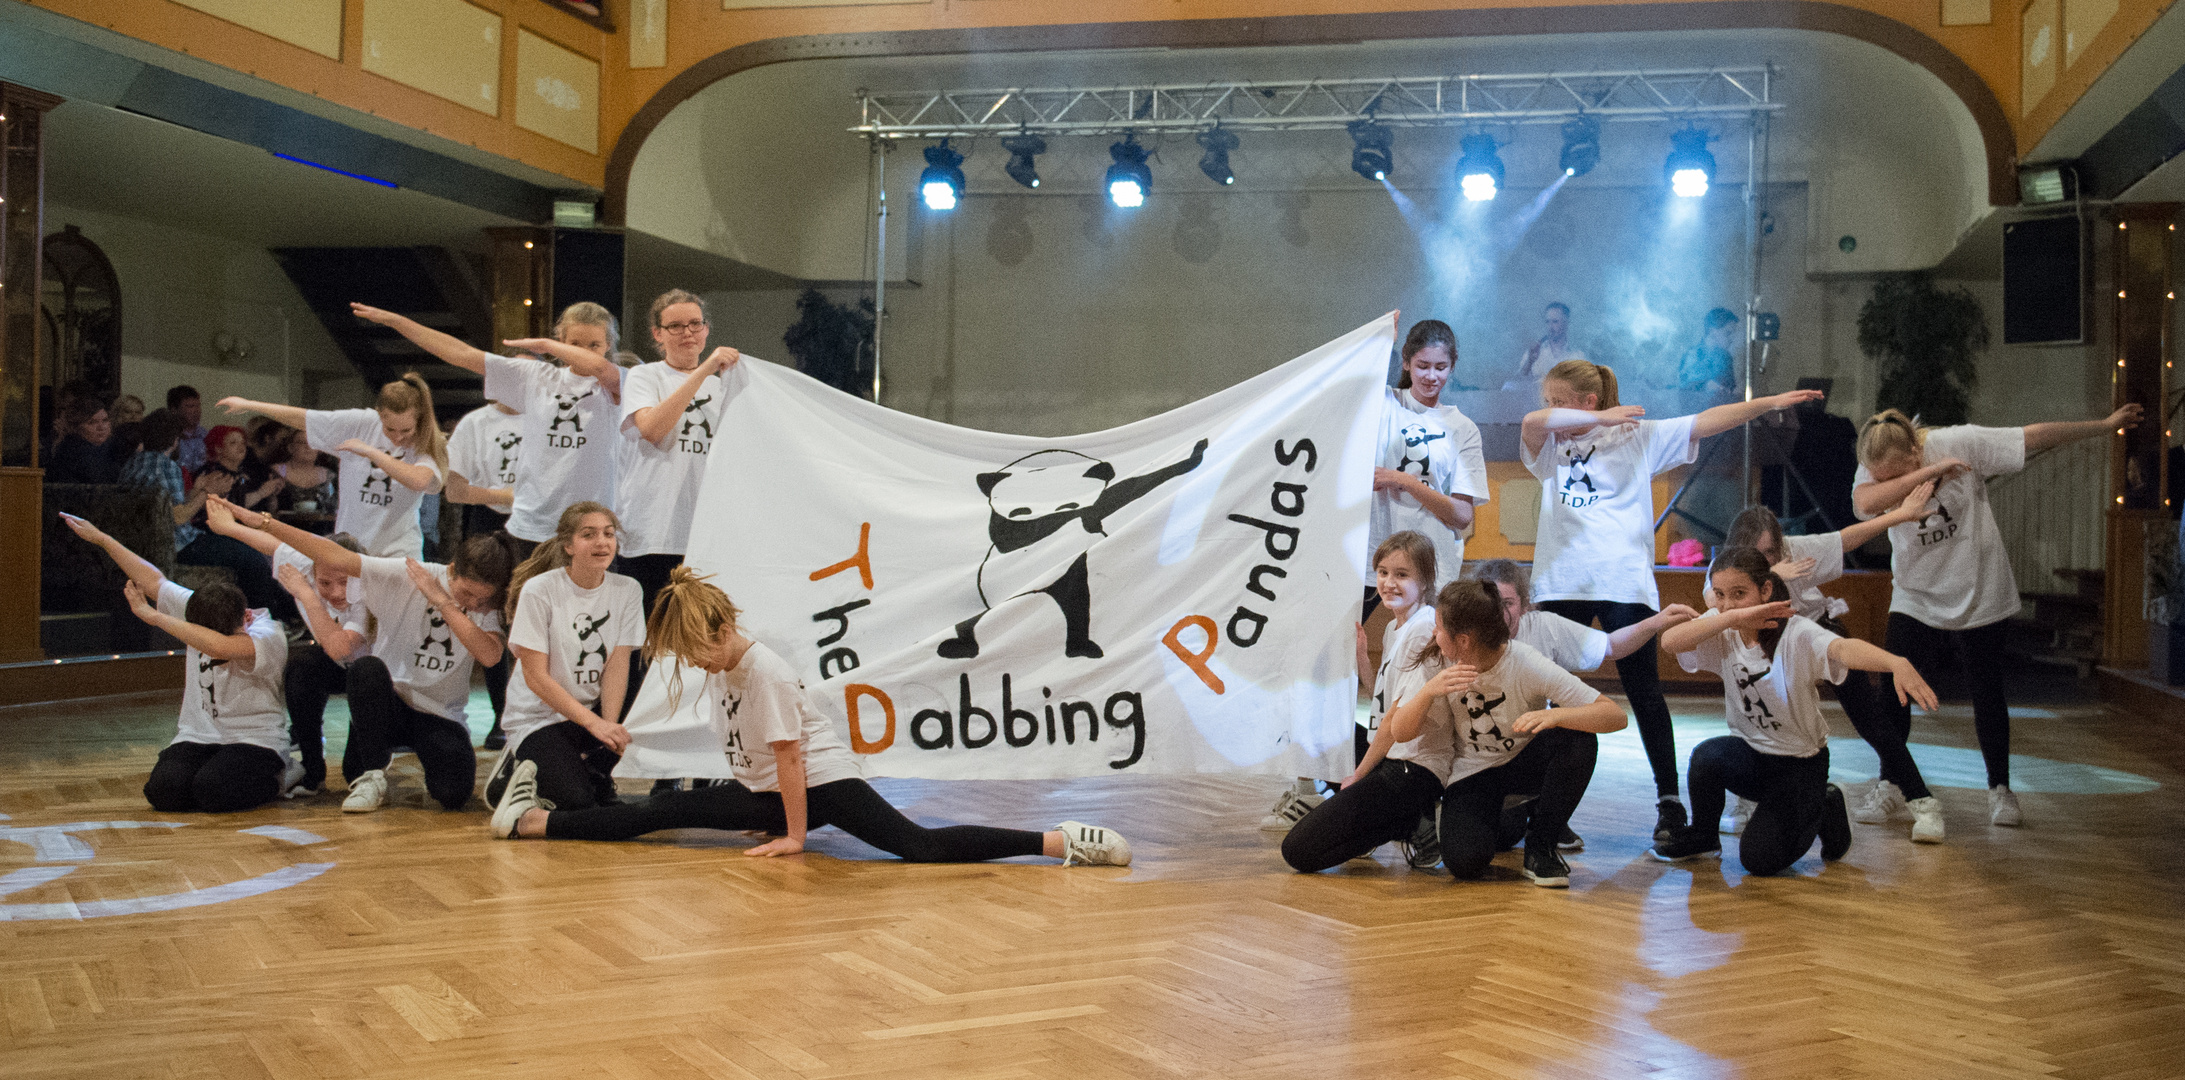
[{"x": 2044, "y": 282}]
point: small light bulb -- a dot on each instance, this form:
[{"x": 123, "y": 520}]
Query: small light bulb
[
  {"x": 527, "y": 303},
  {"x": 527, "y": 247}
]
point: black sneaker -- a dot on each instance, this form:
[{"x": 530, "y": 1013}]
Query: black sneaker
[
  {"x": 1422, "y": 849},
  {"x": 1570, "y": 841},
  {"x": 314, "y": 775},
  {"x": 496, "y": 738},
  {"x": 1547, "y": 869},
  {"x": 662, "y": 787},
  {"x": 1686, "y": 844},
  {"x": 1669, "y": 817},
  {"x": 1835, "y": 824}
]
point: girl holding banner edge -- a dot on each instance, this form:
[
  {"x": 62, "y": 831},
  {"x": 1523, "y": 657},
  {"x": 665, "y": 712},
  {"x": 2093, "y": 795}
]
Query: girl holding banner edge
[
  {"x": 792, "y": 771},
  {"x": 1594, "y": 556}
]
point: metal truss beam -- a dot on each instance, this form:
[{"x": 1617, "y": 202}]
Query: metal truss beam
[{"x": 1321, "y": 104}]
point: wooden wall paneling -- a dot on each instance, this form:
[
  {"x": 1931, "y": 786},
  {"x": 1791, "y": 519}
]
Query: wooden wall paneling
[
  {"x": 522, "y": 283},
  {"x": 2140, "y": 307}
]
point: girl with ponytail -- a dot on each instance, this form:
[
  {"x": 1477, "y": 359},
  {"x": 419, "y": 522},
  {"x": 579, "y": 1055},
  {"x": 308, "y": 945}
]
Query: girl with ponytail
[
  {"x": 1769, "y": 658},
  {"x": 792, "y": 771},
  {"x": 1594, "y": 558},
  {"x": 391, "y": 456},
  {"x": 568, "y": 412}
]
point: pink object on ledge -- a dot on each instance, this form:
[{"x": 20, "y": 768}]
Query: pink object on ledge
[{"x": 1687, "y": 553}]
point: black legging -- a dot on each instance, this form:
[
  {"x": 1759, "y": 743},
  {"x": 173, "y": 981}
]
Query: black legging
[
  {"x": 311, "y": 678},
  {"x": 651, "y": 574},
  {"x": 379, "y": 721},
  {"x": 1383, "y": 805},
  {"x": 213, "y": 779},
  {"x": 253, "y": 571},
  {"x": 1791, "y": 793},
  {"x": 1556, "y": 766},
  {"x": 1641, "y": 682},
  {"x": 850, "y": 805},
  {"x": 576, "y": 770},
  {"x": 1979, "y": 652},
  {"x": 1875, "y": 722}
]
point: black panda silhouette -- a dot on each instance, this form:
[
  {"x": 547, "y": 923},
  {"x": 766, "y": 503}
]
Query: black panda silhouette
[
  {"x": 437, "y": 635},
  {"x": 694, "y": 416},
  {"x": 565, "y": 411},
  {"x": 507, "y": 441},
  {"x": 1578, "y": 473},
  {"x": 205, "y": 672},
  {"x": 1750, "y": 703},
  {"x": 378, "y": 476},
  {"x": 1031, "y": 503},
  {"x": 585, "y": 632},
  {"x": 1416, "y": 461},
  {"x": 1487, "y": 734}
]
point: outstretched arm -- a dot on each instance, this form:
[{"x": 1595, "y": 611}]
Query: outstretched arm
[
  {"x": 221, "y": 517},
  {"x": 415, "y": 475},
  {"x": 1121, "y": 493},
  {"x": 447, "y": 347},
  {"x": 1541, "y": 423},
  {"x": 286, "y": 414},
  {"x": 142, "y": 574},
  {"x": 1865, "y": 656},
  {"x": 1913, "y": 508},
  {"x": 1630, "y": 639},
  {"x": 237, "y": 649},
  {"x": 654, "y": 423},
  {"x": 582, "y": 361},
  {"x": 338, "y": 642},
  {"x": 1722, "y": 418},
  {"x": 1599, "y": 716},
  {"x": 1685, "y": 637},
  {"x": 461, "y": 490},
  {"x": 789, "y": 777},
  {"x": 314, "y": 547},
  {"x": 483, "y": 645},
  {"x": 2057, "y": 433}
]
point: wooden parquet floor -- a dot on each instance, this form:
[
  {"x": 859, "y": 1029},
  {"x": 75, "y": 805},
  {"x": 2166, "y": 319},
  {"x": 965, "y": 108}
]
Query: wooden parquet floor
[{"x": 425, "y": 950}]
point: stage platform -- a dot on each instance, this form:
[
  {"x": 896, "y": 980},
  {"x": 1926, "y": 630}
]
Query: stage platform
[{"x": 405, "y": 943}]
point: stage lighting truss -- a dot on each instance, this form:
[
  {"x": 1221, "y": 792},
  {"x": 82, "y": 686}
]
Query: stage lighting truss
[
  {"x": 1323, "y": 104},
  {"x": 1215, "y": 162},
  {"x": 1373, "y": 153}
]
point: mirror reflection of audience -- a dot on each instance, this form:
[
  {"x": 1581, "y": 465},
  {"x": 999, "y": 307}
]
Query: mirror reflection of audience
[
  {"x": 1710, "y": 365},
  {"x": 1553, "y": 348},
  {"x": 81, "y": 456}
]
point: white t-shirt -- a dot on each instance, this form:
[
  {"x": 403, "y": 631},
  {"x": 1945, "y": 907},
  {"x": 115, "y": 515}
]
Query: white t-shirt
[
  {"x": 1596, "y": 538},
  {"x": 486, "y": 448},
  {"x": 342, "y": 613},
  {"x": 1565, "y": 643},
  {"x": 1771, "y": 703},
  {"x": 1827, "y": 552},
  {"x": 1440, "y": 447},
  {"x": 1522, "y": 681},
  {"x": 758, "y": 703},
  {"x": 1400, "y": 642},
  {"x": 223, "y": 704},
  {"x": 1950, "y": 568},
  {"x": 1430, "y": 749},
  {"x": 569, "y": 443},
  {"x": 659, "y": 484},
  {"x": 578, "y": 630},
  {"x": 428, "y": 663},
  {"x": 369, "y": 504}
]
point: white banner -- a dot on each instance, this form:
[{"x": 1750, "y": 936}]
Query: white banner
[{"x": 1174, "y": 595}]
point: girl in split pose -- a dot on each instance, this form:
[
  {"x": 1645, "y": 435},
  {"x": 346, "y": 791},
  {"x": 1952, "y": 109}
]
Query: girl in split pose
[
  {"x": 1804, "y": 563},
  {"x": 390, "y": 456},
  {"x": 1596, "y": 460},
  {"x": 573, "y": 626},
  {"x": 793, "y": 773},
  {"x": 1952, "y": 589},
  {"x": 1507, "y": 741},
  {"x": 1777, "y": 753},
  {"x": 569, "y": 413},
  {"x": 317, "y": 669},
  {"x": 230, "y": 750},
  {"x": 428, "y": 622}
]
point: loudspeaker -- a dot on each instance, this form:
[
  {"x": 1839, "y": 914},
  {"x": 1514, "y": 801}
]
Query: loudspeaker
[
  {"x": 2044, "y": 282},
  {"x": 588, "y": 266}
]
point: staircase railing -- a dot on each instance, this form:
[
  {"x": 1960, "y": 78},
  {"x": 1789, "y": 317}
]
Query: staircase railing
[{"x": 2053, "y": 514}]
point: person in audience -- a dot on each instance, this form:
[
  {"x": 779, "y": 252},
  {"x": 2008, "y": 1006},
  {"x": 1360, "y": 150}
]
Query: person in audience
[
  {"x": 82, "y": 456},
  {"x": 572, "y": 625},
  {"x": 230, "y": 750},
  {"x": 1569, "y": 646},
  {"x": 127, "y": 409},
  {"x": 1551, "y": 349},
  {"x": 426, "y": 623},
  {"x": 1770, "y": 659},
  {"x": 184, "y": 400},
  {"x": 792, "y": 771},
  {"x": 1803, "y": 564},
  {"x": 1951, "y": 584},
  {"x": 1432, "y": 471},
  {"x": 154, "y": 468},
  {"x": 1709, "y": 364},
  {"x": 390, "y": 455},
  {"x": 1594, "y": 558},
  {"x": 127, "y": 442},
  {"x": 307, "y": 476},
  {"x": 227, "y": 453},
  {"x": 570, "y": 452},
  {"x": 223, "y": 473}
]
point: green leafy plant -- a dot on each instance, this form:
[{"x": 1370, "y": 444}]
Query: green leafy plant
[
  {"x": 1924, "y": 340},
  {"x": 833, "y": 342}
]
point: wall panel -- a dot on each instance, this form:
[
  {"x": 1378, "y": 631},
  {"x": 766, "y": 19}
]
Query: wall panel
[{"x": 444, "y": 47}]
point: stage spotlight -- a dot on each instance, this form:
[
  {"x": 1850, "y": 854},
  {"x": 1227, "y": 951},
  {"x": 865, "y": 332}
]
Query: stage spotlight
[
  {"x": 1479, "y": 171},
  {"x": 1215, "y": 162},
  {"x": 1022, "y": 149},
  {"x": 1373, "y": 156},
  {"x": 1690, "y": 167},
  {"x": 1128, "y": 179},
  {"x": 942, "y": 183},
  {"x": 1581, "y": 145}
]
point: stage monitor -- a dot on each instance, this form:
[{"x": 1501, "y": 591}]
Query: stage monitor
[{"x": 2044, "y": 291}]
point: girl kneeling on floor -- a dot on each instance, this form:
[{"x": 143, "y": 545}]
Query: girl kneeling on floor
[
  {"x": 1777, "y": 755},
  {"x": 792, "y": 771}
]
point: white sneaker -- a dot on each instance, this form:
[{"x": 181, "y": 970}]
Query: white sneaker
[
  {"x": 1926, "y": 820},
  {"x": 1741, "y": 813},
  {"x": 1091, "y": 845},
  {"x": 292, "y": 779},
  {"x": 1881, "y": 803},
  {"x": 2003, "y": 806},
  {"x": 521, "y": 795},
  {"x": 367, "y": 793},
  {"x": 1290, "y": 809}
]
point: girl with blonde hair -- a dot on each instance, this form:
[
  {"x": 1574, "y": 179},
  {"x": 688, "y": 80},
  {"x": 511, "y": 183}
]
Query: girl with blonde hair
[
  {"x": 390, "y": 455},
  {"x": 1594, "y": 557},
  {"x": 792, "y": 771}
]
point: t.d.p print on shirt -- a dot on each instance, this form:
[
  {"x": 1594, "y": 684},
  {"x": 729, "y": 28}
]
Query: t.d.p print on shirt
[
  {"x": 1152, "y": 598},
  {"x": 1483, "y": 730},
  {"x": 1579, "y": 486},
  {"x": 591, "y": 658},
  {"x": 436, "y": 651},
  {"x": 566, "y": 415},
  {"x": 1936, "y": 527},
  {"x": 695, "y": 435},
  {"x": 378, "y": 478}
]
